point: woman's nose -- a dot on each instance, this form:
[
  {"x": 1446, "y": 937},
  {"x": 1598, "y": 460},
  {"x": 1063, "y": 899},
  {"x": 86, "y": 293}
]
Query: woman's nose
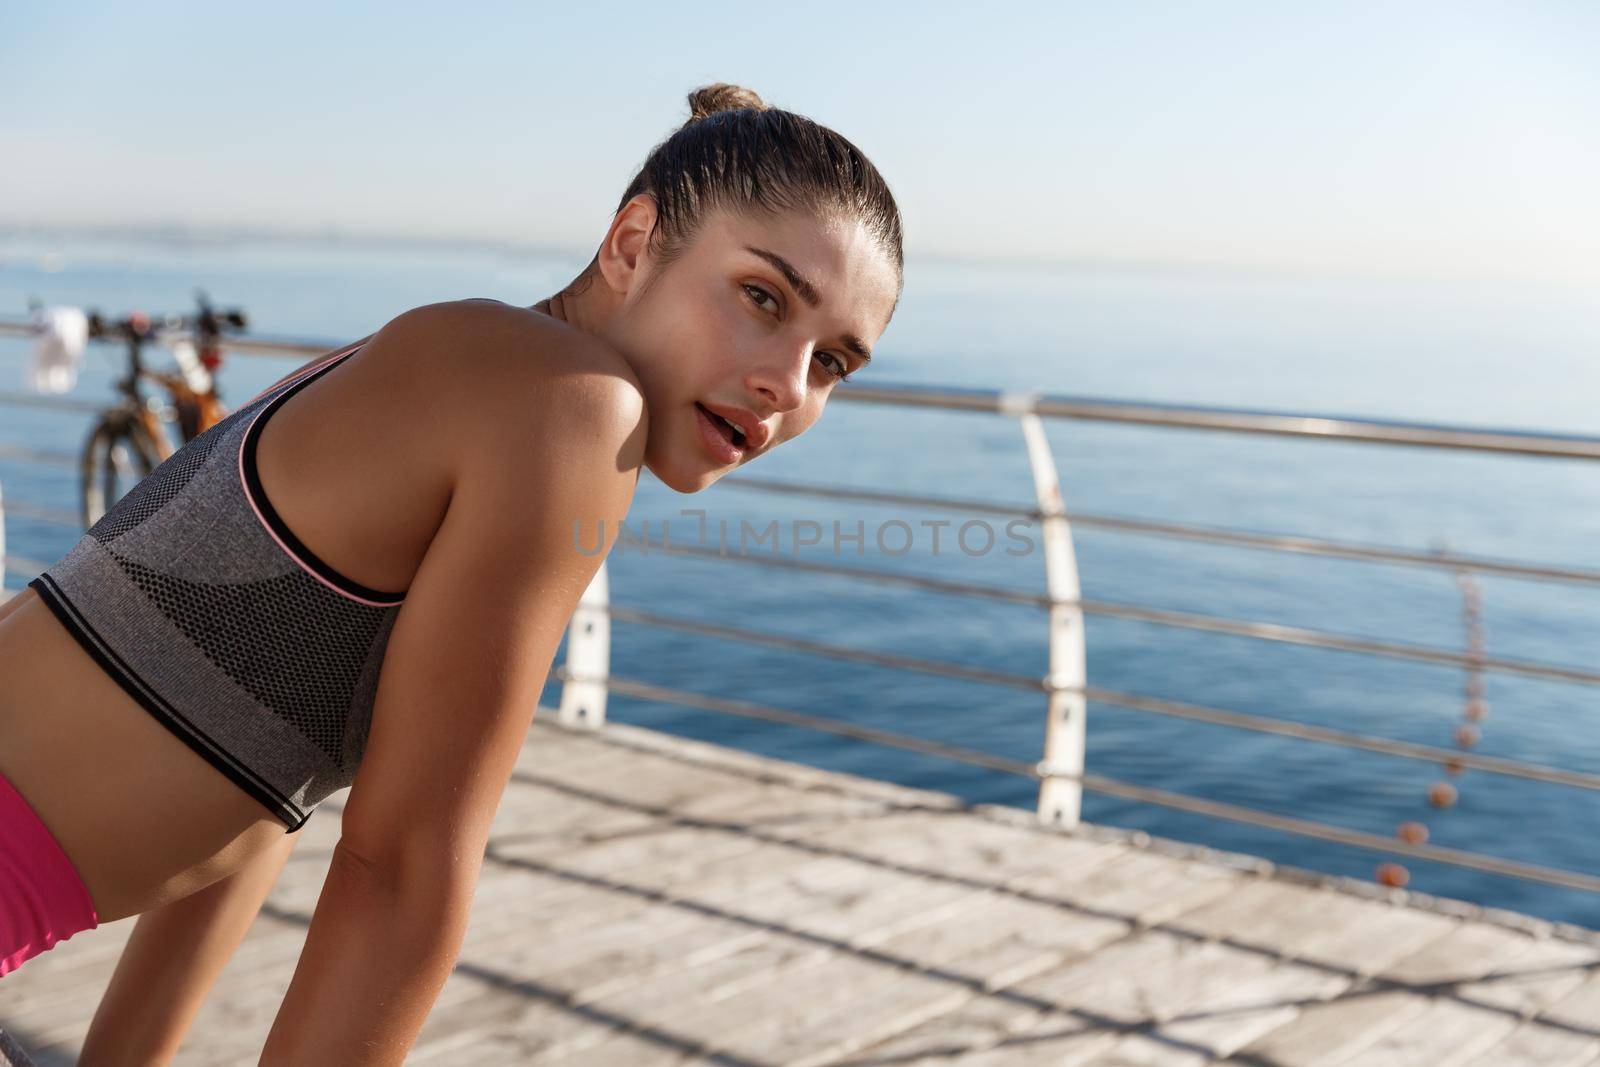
[{"x": 779, "y": 373}]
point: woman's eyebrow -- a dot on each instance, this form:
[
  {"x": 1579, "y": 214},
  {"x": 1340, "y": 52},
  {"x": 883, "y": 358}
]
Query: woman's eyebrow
[
  {"x": 809, "y": 294},
  {"x": 807, "y": 291},
  {"x": 853, "y": 343}
]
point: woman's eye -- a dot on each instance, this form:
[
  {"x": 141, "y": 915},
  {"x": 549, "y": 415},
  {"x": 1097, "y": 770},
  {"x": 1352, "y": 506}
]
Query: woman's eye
[
  {"x": 760, "y": 294},
  {"x": 840, "y": 367}
]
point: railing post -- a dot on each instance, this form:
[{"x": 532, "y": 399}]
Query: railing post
[
  {"x": 583, "y": 694},
  {"x": 1060, "y": 798}
]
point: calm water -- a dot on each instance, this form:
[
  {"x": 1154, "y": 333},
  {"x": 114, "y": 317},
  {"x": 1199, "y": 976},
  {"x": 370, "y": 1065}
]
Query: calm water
[{"x": 1490, "y": 355}]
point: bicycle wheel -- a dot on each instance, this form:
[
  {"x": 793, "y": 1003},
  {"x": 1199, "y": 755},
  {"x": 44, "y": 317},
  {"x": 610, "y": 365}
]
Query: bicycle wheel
[{"x": 116, "y": 457}]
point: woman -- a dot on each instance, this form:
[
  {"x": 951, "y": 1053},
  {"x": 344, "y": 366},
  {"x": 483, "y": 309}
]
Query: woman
[{"x": 361, "y": 577}]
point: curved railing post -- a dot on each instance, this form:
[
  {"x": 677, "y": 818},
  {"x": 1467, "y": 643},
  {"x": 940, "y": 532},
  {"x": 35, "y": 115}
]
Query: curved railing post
[
  {"x": 588, "y": 665},
  {"x": 1061, "y": 785}
]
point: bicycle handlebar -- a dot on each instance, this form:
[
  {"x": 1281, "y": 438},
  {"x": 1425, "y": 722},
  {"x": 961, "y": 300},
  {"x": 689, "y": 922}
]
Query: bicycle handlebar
[{"x": 138, "y": 325}]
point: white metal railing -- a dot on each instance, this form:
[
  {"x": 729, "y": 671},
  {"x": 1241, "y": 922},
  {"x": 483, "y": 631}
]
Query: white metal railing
[
  {"x": 1060, "y": 772},
  {"x": 587, "y": 678}
]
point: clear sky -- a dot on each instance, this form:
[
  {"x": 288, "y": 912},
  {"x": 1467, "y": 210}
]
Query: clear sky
[{"x": 1389, "y": 138}]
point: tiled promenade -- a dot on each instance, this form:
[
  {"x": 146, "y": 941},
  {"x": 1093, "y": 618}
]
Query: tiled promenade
[{"x": 648, "y": 900}]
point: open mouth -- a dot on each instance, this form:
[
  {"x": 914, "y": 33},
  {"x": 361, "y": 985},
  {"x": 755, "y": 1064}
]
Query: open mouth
[{"x": 729, "y": 430}]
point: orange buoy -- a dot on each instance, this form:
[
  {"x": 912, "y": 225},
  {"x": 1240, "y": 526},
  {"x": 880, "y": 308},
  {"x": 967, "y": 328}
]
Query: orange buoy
[
  {"x": 1454, "y": 766},
  {"x": 1393, "y": 874},
  {"x": 1476, "y": 710},
  {"x": 1441, "y": 794},
  {"x": 1466, "y": 736},
  {"x": 1412, "y": 833}
]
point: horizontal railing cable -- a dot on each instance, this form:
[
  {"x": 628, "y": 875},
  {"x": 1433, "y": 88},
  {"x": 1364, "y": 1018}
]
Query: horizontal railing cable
[
  {"x": 1187, "y": 531},
  {"x": 264, "y": 346},
  {"x": 1186, "y": 416},
  {"x": 1232, "y": 420},
  {"x": 22, "y": 509},
  {"x": 883, "y": 496},
  {"x": 1295, "y": 635},
  {"x": 1261, "y": 631},
  {"x": 1154, "y": 705},
  {"x": 864, "y": 574},
  {"x": 1317, "y": 546},
  {"x": 1455, "y": 857},
  {"x": 38, "y": 455},
  {"x": 646, "y": 691},
  {"x": 832, "y": 651},
  {"x": 24, "y": 565},
  {"x": 1343, "y": 738},
  {"x": 1100, "y": 784},
  {"x": 52, "y": 403},
  {"x": 255, "y": 346}
]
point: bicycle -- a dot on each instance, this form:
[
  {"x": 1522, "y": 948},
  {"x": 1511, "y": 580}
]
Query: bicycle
[{"x": 129, "y": 440}]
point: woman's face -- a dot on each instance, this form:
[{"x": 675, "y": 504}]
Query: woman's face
[{"x": 755, "y": 320}]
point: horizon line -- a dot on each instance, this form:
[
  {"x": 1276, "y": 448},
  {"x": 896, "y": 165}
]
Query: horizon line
[{"x": 223, "y": 233}]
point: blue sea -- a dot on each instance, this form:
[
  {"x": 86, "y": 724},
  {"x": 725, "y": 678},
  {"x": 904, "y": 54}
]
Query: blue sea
[{"x": 1485, "y": 354}]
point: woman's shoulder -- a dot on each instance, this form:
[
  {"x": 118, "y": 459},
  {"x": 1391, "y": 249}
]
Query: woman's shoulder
[
  {"x": 478, "y": 362},
  {"x": 482, "y": 335}
]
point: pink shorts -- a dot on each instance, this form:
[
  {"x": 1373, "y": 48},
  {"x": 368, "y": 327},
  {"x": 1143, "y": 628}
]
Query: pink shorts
[{"x": 42, "y": 899}]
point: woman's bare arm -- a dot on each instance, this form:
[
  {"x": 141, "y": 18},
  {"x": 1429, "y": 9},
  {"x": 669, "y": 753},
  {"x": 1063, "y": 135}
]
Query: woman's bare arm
[
  {"x": 559, "y": 441},
  {"x": 171, "y": 961}
]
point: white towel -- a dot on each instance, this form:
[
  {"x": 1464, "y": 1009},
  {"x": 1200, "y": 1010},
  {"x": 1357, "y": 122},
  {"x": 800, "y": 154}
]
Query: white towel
[{"x": 58, "y": 350}]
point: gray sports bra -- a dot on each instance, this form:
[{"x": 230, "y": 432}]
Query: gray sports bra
[{"x": 193, "y": 594}]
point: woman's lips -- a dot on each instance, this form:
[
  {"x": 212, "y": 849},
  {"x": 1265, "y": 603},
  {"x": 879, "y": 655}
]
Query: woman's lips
[{"x": 716, "y": 442}]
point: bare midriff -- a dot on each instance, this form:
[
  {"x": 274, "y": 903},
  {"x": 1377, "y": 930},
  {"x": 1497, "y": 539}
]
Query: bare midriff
[{"x": 356, "y": 468}]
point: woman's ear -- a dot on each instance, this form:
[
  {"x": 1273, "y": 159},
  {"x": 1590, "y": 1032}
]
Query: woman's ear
[{"x": 624, "y": 254}]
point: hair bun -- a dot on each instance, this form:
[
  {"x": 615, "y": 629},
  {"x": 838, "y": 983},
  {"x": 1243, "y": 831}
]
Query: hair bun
[{"x": 710, "y": 99}]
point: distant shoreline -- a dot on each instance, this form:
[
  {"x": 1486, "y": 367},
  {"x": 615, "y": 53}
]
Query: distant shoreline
[
  {"x": 182, "y": 235},
  {"x": 200, "y": 236}
]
